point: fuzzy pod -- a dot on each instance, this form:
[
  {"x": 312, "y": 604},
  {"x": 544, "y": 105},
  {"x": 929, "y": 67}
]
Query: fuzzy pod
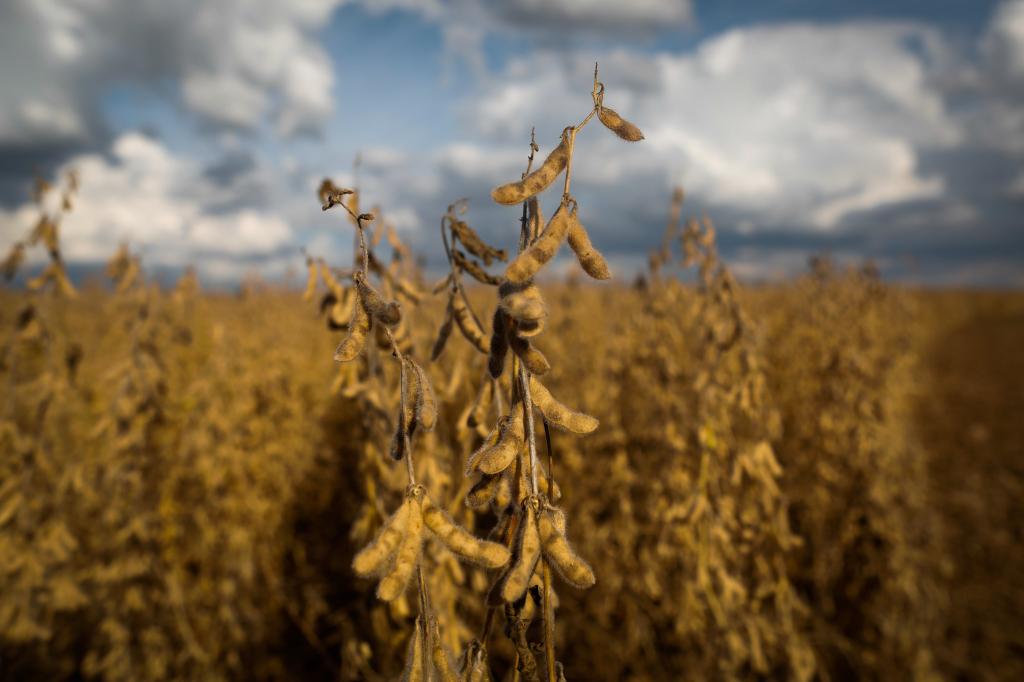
[
  {"x": 408, "y": 289},
  {"x": 522, "y": 302},
  {"x": 474, "y": 244},
  {"x": 534, "y": 217},
  {"x": 415, "y": 663},
  {"x": 443, "y": 334},
  {"x": 528, "y": 328},
  {"x": 543, "y": 479},
  {"x": 440, "y": 657},
  {"x": 460, "y": 541},
  {"x": 532, "y": 359},
  {"x": 558, "y": 414},
  {"x": 530, "y": 261},
  {"x": 618, "y": 125},
  {"x": 483, "y": 491},
  {"x": 535, "y": 182},
  {"x": 591, "y": 260},
  {"x": 496, "y": 457},
  {"x": 372, "y": 559},
  {"x": 526, "y": 554},
  {"x": 468, "y": 325},
  {"x": 386, "y": 312},
  {"x": 560, "y": 554},
  {"x": 473, "y": 268},
  {"x": 499, "y": 343},
  {"x": 424, "y": 401},
  {"x": 392, "y": 585},
  {"x": 358, "y": 329}
]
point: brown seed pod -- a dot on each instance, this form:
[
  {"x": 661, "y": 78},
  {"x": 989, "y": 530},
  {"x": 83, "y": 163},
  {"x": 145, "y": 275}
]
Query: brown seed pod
[
  {"x": 528, "y": 328},
  {"x": 618, "y": 125},
  {"x": 499, "y": 343},
  {"x": 415, "y": 663},
  {"x": 425, "y": 404},
  {"x": 442, "y": 334},
  {"x": 534, "y": 217},
  {"x": 468, "y": 325},
  {"x": 408, "y": 289},
  {"x": 496, "y": 456},
  {"x": 526, "y": 553},
  {"x": 372, "y": 559},
  {"x": 522, "y": 302},
  {"x": 532, "y": 358},
  {"x": 394, "y": 581},
  {"x": 560, "y": 553},
  {"x": 358, "y": 329},
  {"x": 483, "y": 491},
  {"x": 527, "y": 263},
  {"x": 440, "y": 657},
  {"x": 558, "y": 414},
  {"x": 442, "y": 284},
  {"x": 476, "y": 246},
  {"x": 473, "y": 268},
  {"x": 535, "y": 182},
  {"x": 386, "y": 312},
  {"x": 590, "y": 259},
  {"x": 460, "y": 541}
]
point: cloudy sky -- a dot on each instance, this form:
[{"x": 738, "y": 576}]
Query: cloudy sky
[{"x": 891, "y": 130}]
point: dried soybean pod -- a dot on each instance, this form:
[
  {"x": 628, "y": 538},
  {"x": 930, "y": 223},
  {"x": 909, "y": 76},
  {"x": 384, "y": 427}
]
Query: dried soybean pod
[
  {"x": 460, "y": 541},
  {"x": 535, "y": 182},
  {"x": 558, "y": 414},
  {"x": 372, "y": 558},
  {"x": 476, "y": 246},
  {"x": 439, "y": 655},
  {"x": 541, "y": 251},
  {"x": 415, "y": 664},
  {"x": 483, "y": 491},
  {"x": 408, "y": 289},
  {"x": 532, "y": 358},
  {"x": 499, "y": 343},
  {"x": 525, "y": 555},
  {"x": 314, "y": 273},
  {"x": 441, "y": 284},
  {"x": 394, "y": 582},
  {"x": 591, "y": 260},
  {"x": 442, "y": 334},
  {"x": 425, "y": 402},
  {"x": 534, "y": 217},
  {"x": 474, "y": 269},
  {"x": 560, "y": 554},
  {"x": 387, "y": 312},
  {"x": 467, "y": 325},
  {"x": 618, "y": 125},
  {"x": 491, "y": 459},
  {"x": 358, "y": 329},
  {"x": 522, "y": 302},
  {"x": 528, "y": 328}
]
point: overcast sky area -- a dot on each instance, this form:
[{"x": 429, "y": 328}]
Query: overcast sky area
[{"x": 890, "y": 130}]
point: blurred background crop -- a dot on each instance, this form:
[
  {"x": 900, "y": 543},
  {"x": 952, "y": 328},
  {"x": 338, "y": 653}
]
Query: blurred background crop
[{"x": 806, "y": 368}]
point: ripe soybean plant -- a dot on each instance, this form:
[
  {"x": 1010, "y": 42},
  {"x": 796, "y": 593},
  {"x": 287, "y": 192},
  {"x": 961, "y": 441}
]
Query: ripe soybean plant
[{"x": 506, "y": 464}]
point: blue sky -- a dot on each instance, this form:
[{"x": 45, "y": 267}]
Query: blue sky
[{"x": 884, "y": 130}]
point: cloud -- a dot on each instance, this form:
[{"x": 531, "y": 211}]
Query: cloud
[
  {"x": 163, "y": 205},
  {"x": 235, "y": 63}
]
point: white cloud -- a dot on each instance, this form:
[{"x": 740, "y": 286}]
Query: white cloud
[
  {"x": 236, "y": 62},
  {"x": 798, "y": 124},
  {"x": 162, "y": 205}
]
